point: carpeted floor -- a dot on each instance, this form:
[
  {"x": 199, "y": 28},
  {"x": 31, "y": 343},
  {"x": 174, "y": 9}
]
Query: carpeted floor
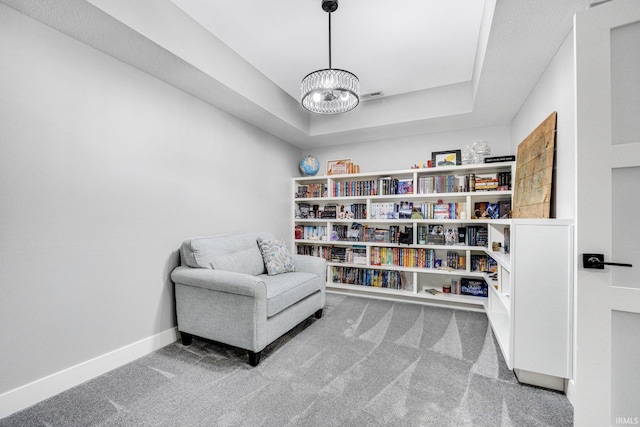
[{"x": 365, "y": 363}]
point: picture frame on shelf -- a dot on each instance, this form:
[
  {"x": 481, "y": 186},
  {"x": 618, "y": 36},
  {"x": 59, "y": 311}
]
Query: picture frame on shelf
[
  {"x": 446, "y": 158},
  {"x": 338, "y": 167}
]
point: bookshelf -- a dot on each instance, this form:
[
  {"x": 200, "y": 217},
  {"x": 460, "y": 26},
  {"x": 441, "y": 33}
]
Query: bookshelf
[{"x": 406, "y": 234}]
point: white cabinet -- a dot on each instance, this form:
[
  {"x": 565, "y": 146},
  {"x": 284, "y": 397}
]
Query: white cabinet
[{"x": 530, "y": 311}]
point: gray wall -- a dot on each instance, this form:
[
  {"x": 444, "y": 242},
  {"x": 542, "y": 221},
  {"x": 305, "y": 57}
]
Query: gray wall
[{"x": 103, "y": 172}]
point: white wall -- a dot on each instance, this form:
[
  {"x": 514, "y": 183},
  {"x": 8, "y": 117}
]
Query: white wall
[
  {"x": 103, "y": 172},
  {"x": 555, "y": 91},
  {"x": 402, "y": 153}
]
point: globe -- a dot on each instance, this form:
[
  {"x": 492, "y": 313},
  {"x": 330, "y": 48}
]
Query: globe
[{"x": 309, "y": 165}]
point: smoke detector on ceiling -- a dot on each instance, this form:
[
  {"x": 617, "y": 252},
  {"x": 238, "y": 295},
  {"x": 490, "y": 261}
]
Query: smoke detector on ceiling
[{"x": 371, "y": 96}]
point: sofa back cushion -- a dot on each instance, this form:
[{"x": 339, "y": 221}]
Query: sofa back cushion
[{"x": 231, "y": 252}]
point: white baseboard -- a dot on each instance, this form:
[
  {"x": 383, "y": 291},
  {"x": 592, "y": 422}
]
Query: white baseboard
[
  {"x": 540, "y": 380},
  {"x": 39, "y": 390},
  {"x": 571, "y": 391}
]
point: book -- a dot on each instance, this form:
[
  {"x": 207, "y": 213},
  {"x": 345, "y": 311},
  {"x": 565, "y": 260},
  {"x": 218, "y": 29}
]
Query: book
[
  {"x": 405, "y": 186},
  {"x": 305, "y": 208},
  {"x": 435, "y": 235},
  {"x": 451, "y": 236},
  {"x": 497, "y": 159},
  {"x": 462, "y": 235},
  {"x": 405, "y": 210},
  {"x": 493, "y": 210},
  {"x": 474, "y": 287},
  {"x": 504, "y": 208},
  {"x": 507, "y": 240}
]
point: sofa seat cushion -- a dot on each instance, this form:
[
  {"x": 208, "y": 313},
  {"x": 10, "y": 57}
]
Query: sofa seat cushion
[
  {"x": 238, "y": 253},
  {"x": 284, "y": 290}
]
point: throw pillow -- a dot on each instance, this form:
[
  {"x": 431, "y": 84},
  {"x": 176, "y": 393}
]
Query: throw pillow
[{"x": 276, "y": 256}]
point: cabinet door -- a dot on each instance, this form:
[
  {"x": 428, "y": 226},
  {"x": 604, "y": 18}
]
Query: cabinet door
[{"x": 542, "y": 298}]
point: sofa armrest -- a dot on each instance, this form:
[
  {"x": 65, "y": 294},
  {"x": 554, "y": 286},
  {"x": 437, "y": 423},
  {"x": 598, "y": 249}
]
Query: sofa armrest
[
  {"x": 219, "y": 280},
  {"x": 311, "y": 264}
]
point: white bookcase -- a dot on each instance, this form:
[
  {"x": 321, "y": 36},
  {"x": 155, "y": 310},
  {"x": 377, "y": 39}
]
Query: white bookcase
[
  {"x": 529, "y": 278},
  {"x": 405, "y": 271}
]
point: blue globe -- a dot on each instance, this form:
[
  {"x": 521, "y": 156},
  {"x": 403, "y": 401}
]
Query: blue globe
[{"x": 309, "y": 165}]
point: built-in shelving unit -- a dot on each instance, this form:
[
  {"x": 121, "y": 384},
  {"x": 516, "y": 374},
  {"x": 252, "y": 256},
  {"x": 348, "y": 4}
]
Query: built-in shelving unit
[{"x": 409, "y": 234}]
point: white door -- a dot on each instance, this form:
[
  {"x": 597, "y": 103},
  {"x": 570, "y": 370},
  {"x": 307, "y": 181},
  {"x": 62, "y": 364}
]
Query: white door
[{"x": 607, "y": 375}]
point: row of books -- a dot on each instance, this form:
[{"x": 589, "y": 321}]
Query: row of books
[
  {"x": 431, "y": 234},
  {"x": 369, "y": 277},
  {"x": 376, "y": 187},
  {"x": 500, "y": 181},
  {"x": 330, "y": 211},
  {"x": 310, "y": 232},
  {"x": 442, "y": 210},
  {"x": 428, "y": 184},
  {"x": 483, "y": 263},
  {"x": 311, "y": 191},
  {"x": 456, "y": 260},
  {"x": 436, "y": 234},
  {"x": 477, "y": 236},
  {"x": 359, "y": 210},
  {"x": 393, "y": 234},
  {"x": 415, "y": 258},
  {"x": 318, "y": 251},
  {"x": 355, "y": 255},
  {"x": 405, "y": 257},
  {"x": 409, "y": 210},
  {"x": 438, "y": 184},
  {"x": 353, "y": 233},
  {"x": 463, "y": 183}
]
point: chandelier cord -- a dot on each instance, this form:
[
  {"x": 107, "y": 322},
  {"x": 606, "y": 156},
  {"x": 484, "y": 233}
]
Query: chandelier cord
[{"x": 329, "y": 40}]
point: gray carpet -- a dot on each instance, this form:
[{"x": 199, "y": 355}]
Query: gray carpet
[{"x": 365, "y": 363}]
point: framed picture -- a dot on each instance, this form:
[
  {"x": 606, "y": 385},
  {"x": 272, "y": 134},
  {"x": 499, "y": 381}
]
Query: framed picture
[
  {"x": 337, "y": 167},
  {"x": 446, "y": 158}
]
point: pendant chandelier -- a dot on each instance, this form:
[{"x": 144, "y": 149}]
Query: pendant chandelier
[{"x": 331, "y": 90}]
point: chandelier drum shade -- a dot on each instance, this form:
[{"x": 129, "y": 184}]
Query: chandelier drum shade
[{"x": 330, "y": 90}]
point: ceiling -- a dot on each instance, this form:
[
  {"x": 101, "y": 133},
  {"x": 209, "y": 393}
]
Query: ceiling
[
  {"x": 442, "y": 65},
  {"x": 392, "y": 47}
]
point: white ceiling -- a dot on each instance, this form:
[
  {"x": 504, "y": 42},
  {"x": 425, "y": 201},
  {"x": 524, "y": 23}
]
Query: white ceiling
[
  {"x": 442, "y": 64},
  {"x": 394, "y": 47}
]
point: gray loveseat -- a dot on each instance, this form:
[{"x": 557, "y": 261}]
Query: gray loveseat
[{"x": 223, "y": 292}]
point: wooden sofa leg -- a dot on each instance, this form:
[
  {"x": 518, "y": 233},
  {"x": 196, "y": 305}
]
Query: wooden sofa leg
[
  {"x": 254, "y": 358},
  {"x": 318, "y": 314},
  {"x": 186, "y": 338}
]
